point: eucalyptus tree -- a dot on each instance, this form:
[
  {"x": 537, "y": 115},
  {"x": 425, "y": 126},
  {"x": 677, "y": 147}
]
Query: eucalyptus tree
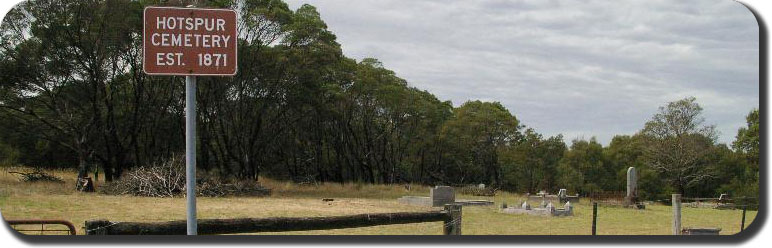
[
  {"x": 67, "y": 66},
  {"x": 472, "y": 138},
  {"x": 746, "y": 146},
  {"x": 531, "y": 163},
  {"x": 678, "y": 144},
  {"x": 585, "y": 169}
]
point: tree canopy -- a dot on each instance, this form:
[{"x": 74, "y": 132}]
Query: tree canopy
[{"x": 73, "y": 95}]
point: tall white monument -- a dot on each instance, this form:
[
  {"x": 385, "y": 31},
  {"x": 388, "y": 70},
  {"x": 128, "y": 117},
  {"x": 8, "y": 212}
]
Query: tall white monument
[{"x": 632, "y": 187}]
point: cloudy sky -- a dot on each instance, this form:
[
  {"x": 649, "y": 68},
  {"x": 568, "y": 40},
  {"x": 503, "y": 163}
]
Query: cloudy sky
[{"x": 580, "y": 68}]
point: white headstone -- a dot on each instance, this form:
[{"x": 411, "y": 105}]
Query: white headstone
[
  {"x": 568, "y": 209},
  {"x": 562, "y": 193},
  {"x": 550, "y": 207},
  {"x": 723, "y": 197},
  {"x": 632, "y": 183}
]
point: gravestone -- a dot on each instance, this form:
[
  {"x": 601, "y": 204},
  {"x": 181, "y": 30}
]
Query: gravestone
[
  {"x": 442, "y": 195},
  {"x": 439, "y": 196},
  {"x": 567, "y": 210},
  {"x": 562, "y": 193},
  {"x": 632, "y": 187},
  {"x": 550, "y": 207}
]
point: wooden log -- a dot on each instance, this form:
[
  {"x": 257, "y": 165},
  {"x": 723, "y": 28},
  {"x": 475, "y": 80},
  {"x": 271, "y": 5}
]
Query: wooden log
[{"x": 250, "y": 225}]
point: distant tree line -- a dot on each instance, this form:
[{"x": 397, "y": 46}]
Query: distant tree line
[{"x": 73, "y": 95}]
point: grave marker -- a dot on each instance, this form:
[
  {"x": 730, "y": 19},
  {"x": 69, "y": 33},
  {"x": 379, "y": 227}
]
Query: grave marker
[{"x": 632, "y": 187}]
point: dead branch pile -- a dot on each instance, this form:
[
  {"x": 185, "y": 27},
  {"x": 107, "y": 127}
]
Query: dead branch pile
[
  {"x": 38, "y": 175},
  {"x": 167, "y": 179},
  {"x": 164, "y": 179}
]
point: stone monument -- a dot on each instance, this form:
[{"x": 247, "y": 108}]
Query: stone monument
[
  {"x": 632, "y": 187},
  {"x": 442, "y": 195}
]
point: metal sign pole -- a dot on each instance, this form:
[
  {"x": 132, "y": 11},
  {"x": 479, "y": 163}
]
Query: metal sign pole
[
  {"x": 190, "y": 59},
  {"x": 190, "y": 152}
]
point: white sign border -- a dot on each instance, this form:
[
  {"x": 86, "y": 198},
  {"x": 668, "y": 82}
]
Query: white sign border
[{"x": 236, "y": 47}]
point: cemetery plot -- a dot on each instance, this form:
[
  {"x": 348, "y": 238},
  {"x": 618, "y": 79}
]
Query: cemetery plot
[{"x": 439, "y": 196}]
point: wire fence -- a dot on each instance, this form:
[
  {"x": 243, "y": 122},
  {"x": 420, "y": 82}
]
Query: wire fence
[{"x": 728, "y": 216}]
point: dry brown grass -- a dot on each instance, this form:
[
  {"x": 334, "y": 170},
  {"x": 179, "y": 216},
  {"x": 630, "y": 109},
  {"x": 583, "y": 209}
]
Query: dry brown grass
[{"x": 59, "y": 201}]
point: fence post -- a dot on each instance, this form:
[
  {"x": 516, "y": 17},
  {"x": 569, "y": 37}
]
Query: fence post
[
  {"x": 452, "y": 225},
  {"x": 676, "y": 214},
  {"x": 742, "y": 224},
  {"x": 594, "y": 217}
]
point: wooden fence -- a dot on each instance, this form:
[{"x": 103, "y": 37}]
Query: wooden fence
[{"x": 450, "y": 216}]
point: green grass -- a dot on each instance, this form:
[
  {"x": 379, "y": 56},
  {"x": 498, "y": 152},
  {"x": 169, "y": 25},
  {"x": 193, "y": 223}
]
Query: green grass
[{"x": 20, "y": 200}]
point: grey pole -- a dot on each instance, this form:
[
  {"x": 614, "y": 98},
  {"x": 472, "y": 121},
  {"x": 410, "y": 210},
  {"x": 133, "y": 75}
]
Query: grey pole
[
  {"x": 594, "y": 217},
  {"x": 190, "y": 152},
  {"x": 676, "y": 203}
]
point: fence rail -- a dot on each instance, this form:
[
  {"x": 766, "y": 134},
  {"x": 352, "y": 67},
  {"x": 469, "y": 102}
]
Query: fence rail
[
  {"x": 451, "y": 218},
  {"x": 42, "y": 222}
]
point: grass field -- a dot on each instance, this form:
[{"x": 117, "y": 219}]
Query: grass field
[{"x": 19, "y": 200}]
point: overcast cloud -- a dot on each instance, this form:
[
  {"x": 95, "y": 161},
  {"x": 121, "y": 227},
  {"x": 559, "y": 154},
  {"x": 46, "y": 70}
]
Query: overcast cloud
[{"x": 577, "y": 68}]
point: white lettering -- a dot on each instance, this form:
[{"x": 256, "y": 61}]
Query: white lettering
[
  {"x": 164, "y": 39},
  {"x": 160, "y": 22},
  {"x": 199, "y": 22},
  {"x": 216, "y": 41},
  {"x": 176, "y": 40},
  {"x": 159, "y": 58},
  {"x": 187, "y": 40},
  {"x": 169, "y": 59},
  {"x": 209, "y": 24},
  {"x": 226, "y": 38},
  {"x": 220, "y": 25},
  {"x": 181, "y": 21},
  {"x": 189, "y": 23},
  {"x": 170, "y": 23},
  {"x": 198, "y": 40},
  {"x": 152, "y": 39},
  {"x": 205, "y": 41}
]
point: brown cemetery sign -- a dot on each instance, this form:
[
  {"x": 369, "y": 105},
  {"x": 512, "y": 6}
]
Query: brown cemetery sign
[{"x": 189, "y": 41}]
